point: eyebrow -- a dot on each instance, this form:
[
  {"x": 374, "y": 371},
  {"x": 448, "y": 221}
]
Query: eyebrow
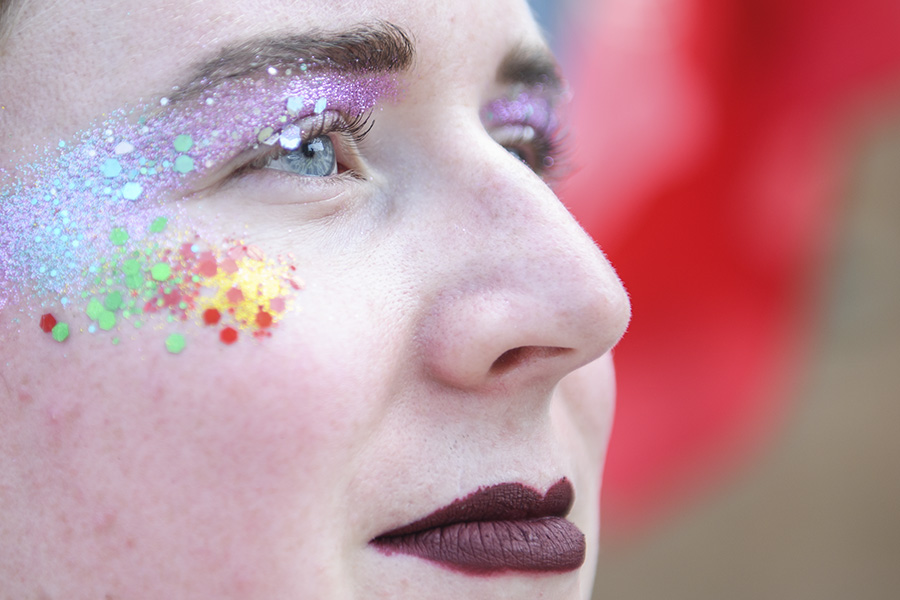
[
  {"x": 380, "y": 47},
  {"x": 531, "y": 65}
]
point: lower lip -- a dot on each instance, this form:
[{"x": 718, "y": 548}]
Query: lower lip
[{"x": 546, "y": 544}]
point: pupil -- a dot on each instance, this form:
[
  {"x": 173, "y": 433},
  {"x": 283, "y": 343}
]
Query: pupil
[{"x": 312, "y": 147}]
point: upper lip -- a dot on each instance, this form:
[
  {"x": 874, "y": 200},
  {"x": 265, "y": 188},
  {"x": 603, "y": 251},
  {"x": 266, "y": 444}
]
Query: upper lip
[{"x": 501, "y": 502}]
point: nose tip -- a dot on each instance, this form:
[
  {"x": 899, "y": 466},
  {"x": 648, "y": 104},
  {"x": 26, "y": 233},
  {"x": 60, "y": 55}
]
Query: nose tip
[
  {"x": 519, "y": 292},
  {"x": 539, "y": 309}
]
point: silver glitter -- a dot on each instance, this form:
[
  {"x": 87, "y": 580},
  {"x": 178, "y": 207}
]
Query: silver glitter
[
  {"x": 124, "y": 148},
  {"x": 291, "y": 137},
  {"x": 295, "y": 104}
]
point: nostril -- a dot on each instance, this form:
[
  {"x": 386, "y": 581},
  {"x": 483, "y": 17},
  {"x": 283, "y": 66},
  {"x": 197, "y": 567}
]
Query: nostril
[{"x": 517, "y": 357}]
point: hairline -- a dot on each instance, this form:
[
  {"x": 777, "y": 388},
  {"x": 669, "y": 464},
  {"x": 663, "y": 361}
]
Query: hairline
[{"x": 10, "y": 11}]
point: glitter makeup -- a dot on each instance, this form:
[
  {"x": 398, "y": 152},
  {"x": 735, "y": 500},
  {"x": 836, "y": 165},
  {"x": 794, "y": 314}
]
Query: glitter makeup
[
  {"x": 89, "y": 225},
  {"x": 528, "y": 118},
  {"x": 526, "y": 108}
]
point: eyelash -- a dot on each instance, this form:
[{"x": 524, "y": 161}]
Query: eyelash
[
  {"x": 544, "y": 151},
  {"x": 352, "y": 130}
]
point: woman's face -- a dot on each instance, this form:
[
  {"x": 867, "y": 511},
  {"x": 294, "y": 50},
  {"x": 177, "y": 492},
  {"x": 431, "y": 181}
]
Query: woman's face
[{"x": 282, "y": 342}]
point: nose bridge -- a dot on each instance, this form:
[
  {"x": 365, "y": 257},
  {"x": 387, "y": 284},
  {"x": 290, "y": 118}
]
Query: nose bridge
[{"x": 527, "y": 293}]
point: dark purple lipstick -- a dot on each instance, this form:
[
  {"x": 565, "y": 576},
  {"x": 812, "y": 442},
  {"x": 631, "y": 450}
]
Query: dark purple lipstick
[{"x": 505, "y": 527}]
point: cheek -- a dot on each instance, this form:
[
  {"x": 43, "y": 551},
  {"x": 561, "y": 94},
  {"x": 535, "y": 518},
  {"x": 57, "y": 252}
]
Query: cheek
[
  {"x": 589, "y": 405},
  {"x": 220, "y": 457}
]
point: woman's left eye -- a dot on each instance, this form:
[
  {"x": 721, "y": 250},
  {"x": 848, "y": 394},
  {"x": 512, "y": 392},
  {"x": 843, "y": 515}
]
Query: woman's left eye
[
  {"x": 313, "y": 158},
  {"x": 537, "y": 149},
  {"x": 321, "y": 147}
]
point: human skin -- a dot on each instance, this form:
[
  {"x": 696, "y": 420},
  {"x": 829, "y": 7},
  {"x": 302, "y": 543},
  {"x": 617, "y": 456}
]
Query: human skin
[{"x": 265, "y": 468}]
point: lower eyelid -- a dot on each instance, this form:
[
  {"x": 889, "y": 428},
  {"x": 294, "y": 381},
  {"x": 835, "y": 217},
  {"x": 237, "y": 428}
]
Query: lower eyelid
[
  {"x": 514, "y": 134},
  {"x": 280, "y": 188},
  {"x": 525, "y": 138}
]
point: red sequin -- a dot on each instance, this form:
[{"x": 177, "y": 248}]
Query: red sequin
[
  {"x": 48, "y": 322},
  {"x": 228, "y": 335},
  {"x": 211, "y": 316},
  {"x": 263, "y": 319}
]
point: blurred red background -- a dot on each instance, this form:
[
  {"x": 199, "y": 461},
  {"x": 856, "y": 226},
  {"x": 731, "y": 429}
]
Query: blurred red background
[{"x": 710, "y": 151}]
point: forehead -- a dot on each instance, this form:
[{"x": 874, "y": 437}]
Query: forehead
[{"x": 73, "y": 60}]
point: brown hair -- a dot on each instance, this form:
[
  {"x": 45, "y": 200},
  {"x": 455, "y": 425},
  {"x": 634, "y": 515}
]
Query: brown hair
[{"x": 9, "y": 13}]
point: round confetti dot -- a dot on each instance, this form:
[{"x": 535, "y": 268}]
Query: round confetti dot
[
  {"x": 183, "y": 143},
  {"x": 111, "y": 168},
  {"x": 132, "y": 190},
  {"x": 60, "y": 332},
  {"x": 161, "y": 271},
  {"x": 175, "y": 343},
  {"x": 211, "y": 316},
  {"x": 107, "y": 320},
  {"x": 48, "y": 322},
  {"x": 184, "y": 164},
  {"x": 158, "y": 225},
  {"x": 118, "y": 236},
  {"x": 228, "y": 335}
]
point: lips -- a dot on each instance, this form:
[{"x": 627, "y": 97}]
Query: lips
[{"x": 505, "y": 527}]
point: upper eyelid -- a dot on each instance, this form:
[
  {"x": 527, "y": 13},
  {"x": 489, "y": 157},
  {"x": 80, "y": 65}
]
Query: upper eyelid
[
  {"x": 323, "y": 122},
  {"x": 232, "y": 117},
  {"x": 327, "y": 123},
  {"x": 528, "y": 105}
]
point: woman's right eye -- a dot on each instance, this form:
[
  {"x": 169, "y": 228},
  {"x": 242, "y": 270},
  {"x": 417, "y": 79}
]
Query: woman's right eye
[{"x": 313, "y": 158}]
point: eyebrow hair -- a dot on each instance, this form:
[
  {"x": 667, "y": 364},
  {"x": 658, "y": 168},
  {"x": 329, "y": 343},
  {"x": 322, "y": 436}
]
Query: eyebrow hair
[
  {"x": 379, "y": 47},
  {"x": 531, "y": 65}
]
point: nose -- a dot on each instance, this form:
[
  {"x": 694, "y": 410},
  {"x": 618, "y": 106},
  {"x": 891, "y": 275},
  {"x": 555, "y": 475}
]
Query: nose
[{"x": 525, "y": 296}]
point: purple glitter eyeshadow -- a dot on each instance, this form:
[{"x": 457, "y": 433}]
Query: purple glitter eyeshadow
[
  {"x": 528, "y": 108},
  {"x": 85, "y": 229},
  {"x": 60, "y": 216}
]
